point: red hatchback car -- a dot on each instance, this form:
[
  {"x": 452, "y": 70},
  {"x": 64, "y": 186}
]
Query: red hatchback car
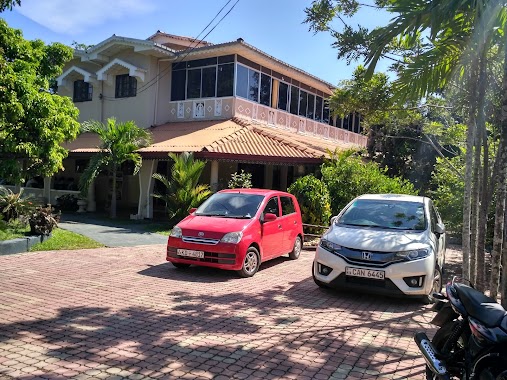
[{"x": 238, "y": 229}]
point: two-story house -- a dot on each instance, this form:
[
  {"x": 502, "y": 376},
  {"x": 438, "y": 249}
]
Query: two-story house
[{"x": 230, "y": 104}]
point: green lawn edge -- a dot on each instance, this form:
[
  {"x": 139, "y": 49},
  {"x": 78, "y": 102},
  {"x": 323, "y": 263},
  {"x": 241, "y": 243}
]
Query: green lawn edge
[{"x": 63, "y": 239}]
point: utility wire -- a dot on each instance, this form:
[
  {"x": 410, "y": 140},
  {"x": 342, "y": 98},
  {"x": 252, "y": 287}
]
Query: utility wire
[{"x": 186, "y": 52}]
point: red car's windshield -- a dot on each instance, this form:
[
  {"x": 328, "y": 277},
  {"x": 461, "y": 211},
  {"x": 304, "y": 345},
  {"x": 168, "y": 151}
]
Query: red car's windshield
[{"x": 231, "y": 205}]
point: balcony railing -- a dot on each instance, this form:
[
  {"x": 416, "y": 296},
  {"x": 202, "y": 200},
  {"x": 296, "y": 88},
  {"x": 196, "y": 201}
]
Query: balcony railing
[{"x": 226, "y": 108}]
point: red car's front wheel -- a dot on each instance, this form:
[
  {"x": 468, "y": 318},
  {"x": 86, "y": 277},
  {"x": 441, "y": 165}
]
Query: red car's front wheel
[{"x": 251, "y": 263}]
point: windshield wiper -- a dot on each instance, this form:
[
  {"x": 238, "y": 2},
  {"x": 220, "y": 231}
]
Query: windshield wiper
[
  {"x": 360, "y": 225},
  {"x": 212, "y": 214}
]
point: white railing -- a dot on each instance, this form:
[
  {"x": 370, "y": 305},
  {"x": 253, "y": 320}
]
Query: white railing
[
  {"x": 225, "y": 108},
  {"x": 38, "y": 194}
]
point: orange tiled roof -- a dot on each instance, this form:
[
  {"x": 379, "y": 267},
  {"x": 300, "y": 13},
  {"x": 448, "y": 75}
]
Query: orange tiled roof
[
  {"x": 226, "y": 137},
  {"x": 85, "y": 143},
  {"x": 236, "y": 137}
]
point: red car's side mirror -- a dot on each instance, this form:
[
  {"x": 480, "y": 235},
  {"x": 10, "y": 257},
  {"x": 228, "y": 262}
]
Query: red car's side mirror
[
  {"x": 192, "y": 210},
  {"x": 269, "y": 217}
]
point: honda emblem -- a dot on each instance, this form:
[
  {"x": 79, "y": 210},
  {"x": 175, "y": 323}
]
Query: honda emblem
[{"x": 367, "y": 255}]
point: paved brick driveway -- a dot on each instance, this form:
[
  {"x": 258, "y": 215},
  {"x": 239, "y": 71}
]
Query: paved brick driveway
[{"x": 124, "y": 313}]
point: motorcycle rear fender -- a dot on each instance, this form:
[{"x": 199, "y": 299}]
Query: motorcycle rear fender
[{"x": 444, "y": 315}]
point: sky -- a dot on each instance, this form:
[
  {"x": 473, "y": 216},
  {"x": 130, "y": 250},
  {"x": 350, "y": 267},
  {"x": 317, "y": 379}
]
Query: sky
[{"x": 273, "y": 26}]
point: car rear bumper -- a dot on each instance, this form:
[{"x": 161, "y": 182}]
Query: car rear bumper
[{"x": 395, "y": 275}]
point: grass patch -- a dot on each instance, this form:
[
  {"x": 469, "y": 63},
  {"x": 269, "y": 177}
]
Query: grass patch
[
  {"x": 14, "y": 232},
  {"x": 63, "y": 239},
  {"x": 157, "y": 228}
]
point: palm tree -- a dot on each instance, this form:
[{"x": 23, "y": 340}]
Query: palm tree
[
  {"x": 183, "y": 189},
  {"x": 119, "y": 142}
]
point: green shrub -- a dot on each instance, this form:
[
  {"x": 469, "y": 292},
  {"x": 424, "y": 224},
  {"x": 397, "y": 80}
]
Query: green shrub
[
  {"x": 347, "y": 176},
  {"x": 314, "y": 201},
  {"x": 240, "y": 181},
  {"x": 448, "y": 193},
  {"x": 66, "y": 202},
  {"x": 42, "y": 220},
  {"x": 182, "y": 191},
  {"x": 14, "y": 205}
]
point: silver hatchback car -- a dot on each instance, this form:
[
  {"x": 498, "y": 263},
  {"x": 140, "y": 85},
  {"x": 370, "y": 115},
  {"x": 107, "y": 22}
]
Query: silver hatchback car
[{"x": 384, "y": 243}]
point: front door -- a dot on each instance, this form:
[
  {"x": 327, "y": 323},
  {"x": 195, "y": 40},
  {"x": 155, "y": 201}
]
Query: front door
[
  {"x": 272, "y": 232},
  {"x": 289, "y": 223}
]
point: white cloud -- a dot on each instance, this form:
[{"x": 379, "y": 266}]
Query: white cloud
[{"x": 76, "y": 16}]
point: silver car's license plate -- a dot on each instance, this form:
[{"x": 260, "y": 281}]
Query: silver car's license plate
[
  {"x": 366, "y": 273},
  {"x": 190, "y": 253}
]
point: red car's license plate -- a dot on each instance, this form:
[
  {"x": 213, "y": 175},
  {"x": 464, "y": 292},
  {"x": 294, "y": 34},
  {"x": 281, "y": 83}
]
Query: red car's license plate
[{"x": 190, "y": 253}]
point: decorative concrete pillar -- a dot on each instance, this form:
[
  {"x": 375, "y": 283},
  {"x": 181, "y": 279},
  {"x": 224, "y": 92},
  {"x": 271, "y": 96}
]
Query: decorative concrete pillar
[
  {"x": 92, "y": 204},
  {"x": 145, "y": 206},
  {"x": 268, "y": 176},
  {"x": 214, "y": 176},
  {"x": 47, "y": 190},
  {"x": 283, "y": 177}
]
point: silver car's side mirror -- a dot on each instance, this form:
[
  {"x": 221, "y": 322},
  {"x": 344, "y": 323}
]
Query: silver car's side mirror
[
  {"x": 439, "y": 229},
  {"x": 333, "y": 219}
]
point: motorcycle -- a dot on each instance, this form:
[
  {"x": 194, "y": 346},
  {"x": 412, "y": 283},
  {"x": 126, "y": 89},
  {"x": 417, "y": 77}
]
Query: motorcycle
[{"x": 471, "y": 343}]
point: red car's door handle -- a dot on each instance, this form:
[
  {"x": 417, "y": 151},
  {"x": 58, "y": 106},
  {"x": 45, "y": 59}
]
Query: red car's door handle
[{"x": 280, "y": 226}]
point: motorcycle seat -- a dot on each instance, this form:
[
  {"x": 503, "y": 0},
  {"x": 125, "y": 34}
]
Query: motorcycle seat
[{"x": 481, "y": 307}]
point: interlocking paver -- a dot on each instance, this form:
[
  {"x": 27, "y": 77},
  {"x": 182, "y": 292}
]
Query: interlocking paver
[{"x": 126, "y": 313}]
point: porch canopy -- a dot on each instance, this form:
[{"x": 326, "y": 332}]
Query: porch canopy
[{"x": 235, "y": 139}]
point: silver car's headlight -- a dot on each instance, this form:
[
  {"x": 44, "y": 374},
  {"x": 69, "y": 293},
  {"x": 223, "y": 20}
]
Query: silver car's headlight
[
  {"x": 329, "y": 245},
  {"x": 232, "y": 237},
  {"x": 415, "y": 254},
  {"x": 176, "y": 232}
]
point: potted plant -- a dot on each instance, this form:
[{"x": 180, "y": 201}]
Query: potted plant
[{"x": 82, "y": 201}]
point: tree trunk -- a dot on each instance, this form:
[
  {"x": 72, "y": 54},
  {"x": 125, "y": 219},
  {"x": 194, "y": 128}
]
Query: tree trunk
[
  {"x": 113, "y": 196},
  {"x": 482, "y": 181},
  {"x": 467, "y": 197},
  {"x": 467, "y": 231},
  {"x": 503, "y": 169},
  {"x": 474, "y": 207},
  {"x": 498, "y": 239}
]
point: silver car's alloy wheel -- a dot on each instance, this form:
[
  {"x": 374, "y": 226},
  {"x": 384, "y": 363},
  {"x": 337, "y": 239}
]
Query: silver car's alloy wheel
[{"x": 437, "y": 281}]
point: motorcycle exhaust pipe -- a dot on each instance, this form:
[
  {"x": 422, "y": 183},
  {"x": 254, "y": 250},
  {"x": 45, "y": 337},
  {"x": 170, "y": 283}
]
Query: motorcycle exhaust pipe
[{"x": 430, "y": 354}]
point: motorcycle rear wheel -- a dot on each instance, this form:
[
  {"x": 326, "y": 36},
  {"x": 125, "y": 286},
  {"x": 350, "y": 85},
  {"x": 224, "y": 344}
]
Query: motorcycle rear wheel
[{"x": 439, "y": 340}]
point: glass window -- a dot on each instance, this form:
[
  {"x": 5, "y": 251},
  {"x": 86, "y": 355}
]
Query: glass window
[
  {"x": 230, "y": 205},
  {"x": 226, "y": 59},
  {"x": 287, "y": 206},
  {"x": 311, "y": 104},
  {"x": 178, "y": 84},
  {"x": 253, "y": 85},
  {"x": 303, "y": 102},
  {"x": 294, "y": 100},
  {"x": 318, "y": 108},
  {"x": 193, "y": 83},
  {"x": 202, "y": 62},
  {"x": 209, "y": 80},
  {"x": 126, "y": 86},
  {"x": 83, "y": 91},
  {"x": 265, "y": 97},
  {"x": 434, "y": 218},
  {"x": 225, "y": 80},
  {"x": 241, "y": 81},
  {"x": 272, "y": 207},
  {"x": 325, "y": 114},
  {"x": 283, "y": 96},
  {"x": 386, "y": 214}
]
